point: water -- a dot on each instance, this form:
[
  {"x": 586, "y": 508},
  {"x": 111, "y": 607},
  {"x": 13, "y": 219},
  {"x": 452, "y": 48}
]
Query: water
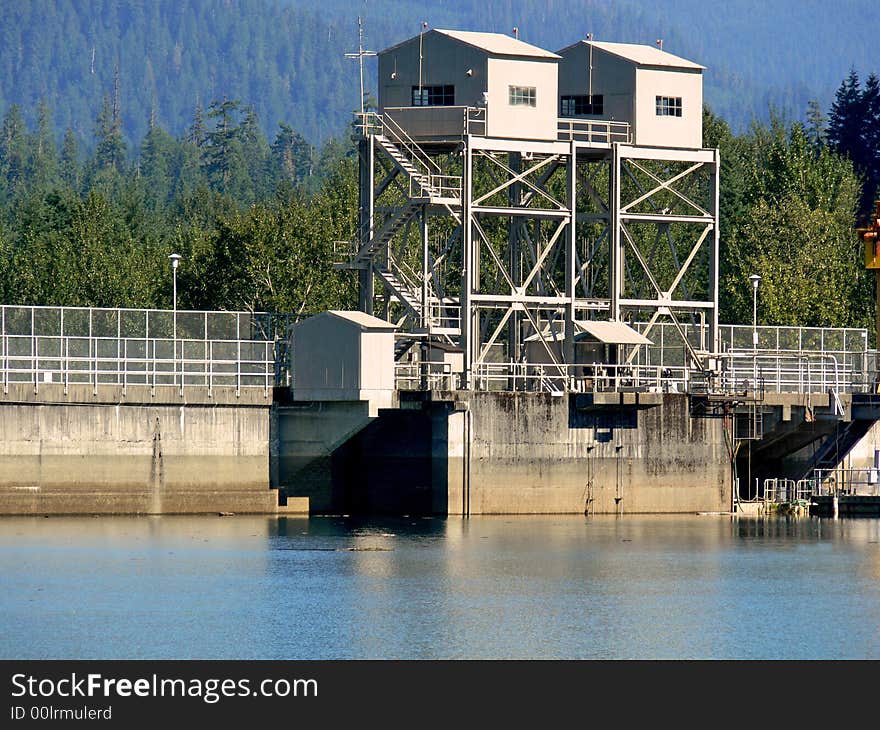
[{"x": 535, "y": 587}]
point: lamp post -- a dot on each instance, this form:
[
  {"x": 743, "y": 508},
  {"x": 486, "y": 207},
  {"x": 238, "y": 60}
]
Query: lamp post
[
  {"x": 175, "y": 262},
  {"x": 756, "y": 281}
]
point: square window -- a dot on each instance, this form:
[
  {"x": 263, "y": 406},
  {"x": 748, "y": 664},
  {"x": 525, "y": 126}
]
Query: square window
[
  {"x": 668, "y": 106},
  {"x": 522, "y": 95}
]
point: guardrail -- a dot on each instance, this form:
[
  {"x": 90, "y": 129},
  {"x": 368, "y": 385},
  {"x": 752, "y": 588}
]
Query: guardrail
[
  {"x": 123, "y": 347},
  {"x": 846, "y": 480},
  {"x": 425, "y": 375},
  {"x": 593, "y": 130},
  {"x": 791, "y": 372},
  {"x": 123, "y": 362},
  {"x": 788, "y": 490},
  {"x": 584, "y": 378}
]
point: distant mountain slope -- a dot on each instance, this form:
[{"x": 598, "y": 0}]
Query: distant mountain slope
[{"x": 287, "y": 58}]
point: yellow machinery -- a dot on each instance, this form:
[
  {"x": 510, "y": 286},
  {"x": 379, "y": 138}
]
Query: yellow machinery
[{"x": 871, "y": 237}]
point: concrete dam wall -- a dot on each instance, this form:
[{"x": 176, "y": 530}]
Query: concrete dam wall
[
  {"x": 512, "y": 453},
  {"x": 135, "y": 452}
]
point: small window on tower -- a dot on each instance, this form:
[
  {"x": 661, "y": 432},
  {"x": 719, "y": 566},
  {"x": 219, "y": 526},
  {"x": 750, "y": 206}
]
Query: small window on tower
[
  {"x": 433, "y": 95},
  {"x": 668, "y": 106},
  {"x": 522, "y": 95},
  {"x": 582, "y": 104}
]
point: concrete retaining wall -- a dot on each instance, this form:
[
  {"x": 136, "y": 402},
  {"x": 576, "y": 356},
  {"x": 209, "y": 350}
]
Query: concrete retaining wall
[
  {"x": 535, "y": 453},
  {"x": 131, "y": 458},
  {"x": 510, "y": 453}
]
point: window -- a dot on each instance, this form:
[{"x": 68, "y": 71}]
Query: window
[
  {"x": 522, "y": 95},
  {"x": 433, "y": 95},
  {"x": 668, "y": 106},
  {"x": 575, "y": 106}
]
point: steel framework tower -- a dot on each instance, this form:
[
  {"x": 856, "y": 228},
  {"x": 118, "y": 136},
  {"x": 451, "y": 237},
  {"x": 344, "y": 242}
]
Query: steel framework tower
[{"x": 503, "y": 246}]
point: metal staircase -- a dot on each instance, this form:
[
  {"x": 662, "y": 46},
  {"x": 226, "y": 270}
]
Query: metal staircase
[
  {"x": 372, "y": 246},
  {"x": 425, "y": 185}
]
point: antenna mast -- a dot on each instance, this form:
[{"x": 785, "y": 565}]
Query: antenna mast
[{"x": 360, "y": 57}]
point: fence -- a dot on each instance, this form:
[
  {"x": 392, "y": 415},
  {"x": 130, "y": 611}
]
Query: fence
[
  {"x": 122, "y": 347},
  {"x": 847, "y": 480},
  {"x": 787, "y": 359}
]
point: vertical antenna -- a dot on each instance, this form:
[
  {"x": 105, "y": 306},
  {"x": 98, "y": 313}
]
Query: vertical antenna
[
  {"x": 421, "y": 32},
  {"x": 516, "y": 32},
  {"x": 361, "y": 53},
  {"x": 659, "y": 43},
  {"x": 590, "y": 75}
]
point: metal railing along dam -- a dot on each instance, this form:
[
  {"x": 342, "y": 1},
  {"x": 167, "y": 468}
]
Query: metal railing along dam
[
  {"x": 227, "y": 349},
  {"x": 144, "y": 347}
]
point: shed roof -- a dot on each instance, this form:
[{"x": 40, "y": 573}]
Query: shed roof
[
  {"x": 641, "y": 55},
  {"x": 359, "y": 319},
  {"x": 495, "y": 44},
  {"x": 612, "y": 333}
]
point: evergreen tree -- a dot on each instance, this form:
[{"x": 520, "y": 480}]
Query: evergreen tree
[
  {"x": 110, "y": 146},
  {"x": 43, "y": 167},
  {"x": 13, "y": 153},
  {"x": 223, "y": 153},
  {"x": 815, "y": 124},
  {"x": 871, "y": 106},
  {"x": 157, "y": 162},
  {"x": 70, "y": 165},
  {"x": 291, "y": 156}
]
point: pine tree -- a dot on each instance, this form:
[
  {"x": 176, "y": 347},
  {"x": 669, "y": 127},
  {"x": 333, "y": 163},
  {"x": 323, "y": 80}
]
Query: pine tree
[
  {"x": 13, "y": 152},
  {"x": 845, "y": 119},
  {"x": 223, "y": 153},
  {"x": 815, "y": 124},
  {"x": 871, "y": 107},
  {"x": 70, "y": 167},
  {"x": 110, "y": 147},
  {"x": 43, "y": 167}
]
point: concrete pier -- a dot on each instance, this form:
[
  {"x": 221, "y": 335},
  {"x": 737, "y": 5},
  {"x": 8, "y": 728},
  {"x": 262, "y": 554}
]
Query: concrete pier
[
  {"x": 108, "y": 450},
  {"x": 462, "y": 453}
]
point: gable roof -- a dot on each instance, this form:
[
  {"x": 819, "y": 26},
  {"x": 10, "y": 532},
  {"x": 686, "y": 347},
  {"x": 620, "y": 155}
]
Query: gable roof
[
  {"x": 640, "y": 55},
  {"x": 495, "y": 44},
  {"x": 359, "y": 319}
]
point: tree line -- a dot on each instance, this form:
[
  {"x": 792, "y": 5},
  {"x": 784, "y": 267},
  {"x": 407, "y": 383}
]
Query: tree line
[{"x": 256, "y": 219}]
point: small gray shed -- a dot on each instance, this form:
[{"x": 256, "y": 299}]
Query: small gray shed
[{"x": 343, "y": 356}]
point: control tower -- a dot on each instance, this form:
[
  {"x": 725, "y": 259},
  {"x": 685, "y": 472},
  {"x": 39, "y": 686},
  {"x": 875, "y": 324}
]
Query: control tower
[{"x": 536, "y": 213}]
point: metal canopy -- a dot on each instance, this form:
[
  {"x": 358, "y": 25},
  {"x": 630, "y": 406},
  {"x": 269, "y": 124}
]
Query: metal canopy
[{"x": 612, "y": 333}]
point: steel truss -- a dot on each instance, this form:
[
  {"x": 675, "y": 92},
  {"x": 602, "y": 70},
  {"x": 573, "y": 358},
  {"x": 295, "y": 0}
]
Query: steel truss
[{"x": 494, "y": 244}]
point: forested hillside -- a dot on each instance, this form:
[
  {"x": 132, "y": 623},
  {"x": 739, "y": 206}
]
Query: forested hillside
[
  {"x": 286, "y": 57},
  {"x": 218, "y": 130}
]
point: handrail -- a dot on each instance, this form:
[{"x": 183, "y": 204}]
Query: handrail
[
  {"x": 572, "y": 129},
  {"x": 152, "y": 361},
  {"x": 417, "y": 153}
]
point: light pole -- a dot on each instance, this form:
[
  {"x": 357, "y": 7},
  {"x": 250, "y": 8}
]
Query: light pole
[
  {"x": 756, "y": 281},
  {"x": 175, "y": 261}
]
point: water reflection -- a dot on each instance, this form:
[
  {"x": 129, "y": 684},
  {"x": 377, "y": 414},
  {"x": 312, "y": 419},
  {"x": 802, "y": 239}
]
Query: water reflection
[{"x": 528, "y": 587}]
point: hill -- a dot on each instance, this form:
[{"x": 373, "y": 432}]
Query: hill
[{"x": 286, "y": 58}]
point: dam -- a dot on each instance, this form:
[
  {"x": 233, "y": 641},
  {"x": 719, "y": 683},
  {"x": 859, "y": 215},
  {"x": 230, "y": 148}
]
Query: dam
[
  {"x": 263, "y": 414},
  {"x": 537, "y": 329}
]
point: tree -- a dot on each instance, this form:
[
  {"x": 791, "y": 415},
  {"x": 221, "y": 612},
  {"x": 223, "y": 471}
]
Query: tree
[
  {"x": 13, "y": 153},
  {"x": 815, "y": 124},
  {"x": 70, "y": 166},
  {"x": 223, "y": 153},
  {"x": 43, "y": 163},
  {"x": 797, "y": 233}
]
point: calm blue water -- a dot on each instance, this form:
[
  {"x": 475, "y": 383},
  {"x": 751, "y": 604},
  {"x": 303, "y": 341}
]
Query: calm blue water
[{"x": 534, "y": 587}]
